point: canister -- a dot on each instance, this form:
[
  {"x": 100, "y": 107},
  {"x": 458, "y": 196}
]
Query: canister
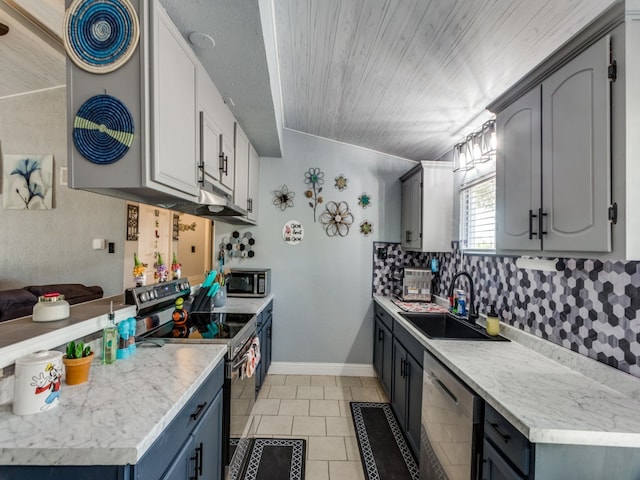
[
  {"x": 37, "y": 382},
  {"x": 50, "y": 307}
]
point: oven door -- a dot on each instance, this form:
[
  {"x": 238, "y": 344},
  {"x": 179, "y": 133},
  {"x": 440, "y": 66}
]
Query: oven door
[{"x": 242, "y": 393}]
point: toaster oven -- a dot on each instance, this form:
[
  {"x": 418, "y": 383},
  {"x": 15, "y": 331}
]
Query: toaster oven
[{"x": 415, "y": 285}]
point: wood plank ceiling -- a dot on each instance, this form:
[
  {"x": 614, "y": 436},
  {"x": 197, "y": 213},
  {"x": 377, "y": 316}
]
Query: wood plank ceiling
[
  {"x": 32, "y": 58},
  {"x": 411, "y": 77}
]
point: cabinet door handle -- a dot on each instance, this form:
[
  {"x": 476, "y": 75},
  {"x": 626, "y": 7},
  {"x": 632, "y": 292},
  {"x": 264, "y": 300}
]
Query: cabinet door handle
[
  {"x": 199, "y": 410},
  {"x": 531, "y": 217},
  {"x": 194, "y": 459},
  {"x": 199, "y": 454},
  {"x": 402, "y": 364},
  {"x": 505, "y": 438},
  {"x": 408, "y": 236},
  {"x": 269, "y": 332},
  {"x": 540, "y": 224},
  {"x": 380, "y": 335}
]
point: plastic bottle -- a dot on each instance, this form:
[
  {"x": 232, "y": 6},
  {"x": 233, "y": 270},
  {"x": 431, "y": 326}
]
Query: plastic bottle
[
  {"x": 123, "y": 342},
  {"x": 132, "y": 335},
  {"x": 493, "y": 323},
  {"x": 110, "y": 339},
  {"x": 462, "y": 302}
]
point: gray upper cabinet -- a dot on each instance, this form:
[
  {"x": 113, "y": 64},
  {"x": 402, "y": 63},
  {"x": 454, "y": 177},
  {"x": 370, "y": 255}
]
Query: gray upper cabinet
[
  {"x": 554, "y": 161},
  {"x": 427, "y": 203},
  {"x": 254, "y": 184},
  {"x": 576, "y": 161},
  {"x": 518, "y": 173}
]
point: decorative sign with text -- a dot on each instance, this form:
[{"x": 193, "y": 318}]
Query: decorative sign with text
[{"x": 292, "y": 232}]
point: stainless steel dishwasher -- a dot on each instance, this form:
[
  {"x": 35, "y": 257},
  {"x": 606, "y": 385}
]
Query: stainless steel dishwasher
[{"x": 451, "y": 430}]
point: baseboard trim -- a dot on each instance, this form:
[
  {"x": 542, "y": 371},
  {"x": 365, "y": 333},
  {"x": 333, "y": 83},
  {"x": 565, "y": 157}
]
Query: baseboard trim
[{"x": 312, "y": 368}]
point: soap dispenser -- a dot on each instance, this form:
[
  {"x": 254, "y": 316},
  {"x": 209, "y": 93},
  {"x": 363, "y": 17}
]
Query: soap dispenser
[
  {"x": 493, "y": 323},
  {"x": 110, "y": 339}
]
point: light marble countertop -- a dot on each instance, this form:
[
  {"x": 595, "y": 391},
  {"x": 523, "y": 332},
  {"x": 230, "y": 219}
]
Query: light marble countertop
[
  {"x": 116, "y": 416},
  {"x": 244, "y": 305},
  {"x": 544, "y": 399}
]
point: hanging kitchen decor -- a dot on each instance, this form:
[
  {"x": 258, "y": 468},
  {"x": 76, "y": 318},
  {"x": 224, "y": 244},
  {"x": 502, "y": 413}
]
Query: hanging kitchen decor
[
  {"x": 341, "y": 182},
  {"x": 238, "y": 246},
  {"x": 283, "y": 198},
  {"x": 366, "y": 228},
  {"x": 103, "y": 129},
  {"x": 133, "y": 213},
  {"x": 364, "y": 200},
  {"x": 315, "y": 179},
  {"x": 100, "y": 35},
  {"x": 293, "y": 232},
  {"x": 337, "y": 219}
]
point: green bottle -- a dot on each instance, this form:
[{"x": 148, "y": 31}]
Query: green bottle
[{"x": 110, "y": 339}]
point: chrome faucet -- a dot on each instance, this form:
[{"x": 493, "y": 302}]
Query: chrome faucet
[{"x": 472, "y": 315}]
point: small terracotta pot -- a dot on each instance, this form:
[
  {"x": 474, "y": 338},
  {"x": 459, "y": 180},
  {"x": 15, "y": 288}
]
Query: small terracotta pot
[{"x": 77, "y": 369}]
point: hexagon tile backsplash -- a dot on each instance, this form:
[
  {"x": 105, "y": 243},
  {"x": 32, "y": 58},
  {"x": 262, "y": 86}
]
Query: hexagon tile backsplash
[{"x": 590, "y": 307}]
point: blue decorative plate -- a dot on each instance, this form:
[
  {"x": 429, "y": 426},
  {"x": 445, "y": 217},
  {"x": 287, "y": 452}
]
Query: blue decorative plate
[
  {"x": 103, "y": 129},
  {"x": 100, "y": 35}
]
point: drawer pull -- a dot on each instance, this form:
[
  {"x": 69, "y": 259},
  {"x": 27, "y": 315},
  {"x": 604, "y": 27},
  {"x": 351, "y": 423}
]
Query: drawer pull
[
  {"x": 199, "y": 410},
  {"x": 505, "y": 438}
]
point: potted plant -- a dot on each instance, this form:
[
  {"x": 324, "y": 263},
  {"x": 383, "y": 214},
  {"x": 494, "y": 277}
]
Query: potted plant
[{"x": 77, "y": 363}]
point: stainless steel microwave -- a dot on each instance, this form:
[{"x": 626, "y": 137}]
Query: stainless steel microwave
[{"x": 249, "y": 282}]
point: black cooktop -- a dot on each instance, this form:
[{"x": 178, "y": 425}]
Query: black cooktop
[{"x": 215, "y": 326}]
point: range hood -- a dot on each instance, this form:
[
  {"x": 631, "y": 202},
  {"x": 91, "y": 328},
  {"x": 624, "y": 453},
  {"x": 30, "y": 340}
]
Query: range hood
[{"x": 213, "y": 206}]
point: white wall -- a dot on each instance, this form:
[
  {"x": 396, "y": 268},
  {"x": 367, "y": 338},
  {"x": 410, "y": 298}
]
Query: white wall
[
  {"x": 40, "y": 247},
  {"x": 323, "y": 308}
]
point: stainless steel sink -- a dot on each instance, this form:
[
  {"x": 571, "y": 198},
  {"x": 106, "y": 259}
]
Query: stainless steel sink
[{"x": 448, "y": 326}]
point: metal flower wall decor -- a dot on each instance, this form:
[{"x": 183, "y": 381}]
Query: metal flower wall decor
[
  {"x": 366, "y": 228},
  {"x": 341, "y": 182},
  {"x": 364, "y": 200},
  {"x": 315, "y": 179},
  {"x": 337, "y": 219},
  {"x": 283, "y": 198}
]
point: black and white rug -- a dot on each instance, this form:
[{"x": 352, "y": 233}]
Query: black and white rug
[
  {"x": 383, "y": 448},
  {"x": 276, "y": 459}
]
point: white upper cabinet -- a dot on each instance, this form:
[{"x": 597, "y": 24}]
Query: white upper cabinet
[
  {"x": 427, "y": 206},
  {"x": 175, "y": 119},
  {"x": 241, "y": 190},
  {"x": 553, "y": 174},
  {"x": 254, "y": 184}
]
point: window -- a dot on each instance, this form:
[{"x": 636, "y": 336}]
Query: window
[{"x": 478, "y": 214}]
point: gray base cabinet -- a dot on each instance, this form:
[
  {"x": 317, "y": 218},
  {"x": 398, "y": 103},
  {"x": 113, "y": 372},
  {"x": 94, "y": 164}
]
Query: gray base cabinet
[
  {"x": 264, "y": 329},
  {"x": 508, "y": 455},
  {"x": 382, "y": 350},
  {"x": 395, "y": 354},
  {"x": 189, "y": 448}
]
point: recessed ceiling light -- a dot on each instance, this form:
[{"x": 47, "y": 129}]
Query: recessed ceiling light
[
  {"x": 201, "y": 40},
  {"x": 4, "y": 29}
]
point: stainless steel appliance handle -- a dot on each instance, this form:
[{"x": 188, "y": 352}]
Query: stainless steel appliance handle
[
  {"x": 443, "y": 388},
  {"x": 242, "y": 361}
]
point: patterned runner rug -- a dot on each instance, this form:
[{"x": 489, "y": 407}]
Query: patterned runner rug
[
  {"x": 384, "y": 451},
  {"x": 276, "y": 459}
]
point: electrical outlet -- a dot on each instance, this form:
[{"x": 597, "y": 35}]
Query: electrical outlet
[
  {"x": 381, "y": 253},
  {"x": 112, "y": 247}
]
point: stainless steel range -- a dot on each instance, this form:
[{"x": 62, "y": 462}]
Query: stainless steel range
[{"x": 156, "y": 303}]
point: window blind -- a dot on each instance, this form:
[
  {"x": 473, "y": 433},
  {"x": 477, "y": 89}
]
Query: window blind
[{"x": 478, "y": 215}]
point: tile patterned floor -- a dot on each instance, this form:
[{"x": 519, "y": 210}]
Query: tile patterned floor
[{"x": 316, "y": 408}]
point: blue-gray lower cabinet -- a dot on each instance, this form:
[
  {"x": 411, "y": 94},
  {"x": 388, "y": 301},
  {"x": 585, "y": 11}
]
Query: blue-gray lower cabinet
[
  {"x": 382, "y": 354},
  {"x": 264, "y": 330},
  {"x": 508, "y": 455},
  {"x": 406, "y": 400},
  {"x": 189, "y": 448}
]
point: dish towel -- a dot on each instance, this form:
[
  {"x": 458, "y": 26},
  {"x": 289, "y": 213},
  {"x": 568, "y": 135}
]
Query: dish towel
[{"x": 253, "y": 357}]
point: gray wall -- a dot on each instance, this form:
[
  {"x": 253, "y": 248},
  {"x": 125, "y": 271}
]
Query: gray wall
[
  {"x": 322, "y": 310},
  {"x": 54, "y": 246}
]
